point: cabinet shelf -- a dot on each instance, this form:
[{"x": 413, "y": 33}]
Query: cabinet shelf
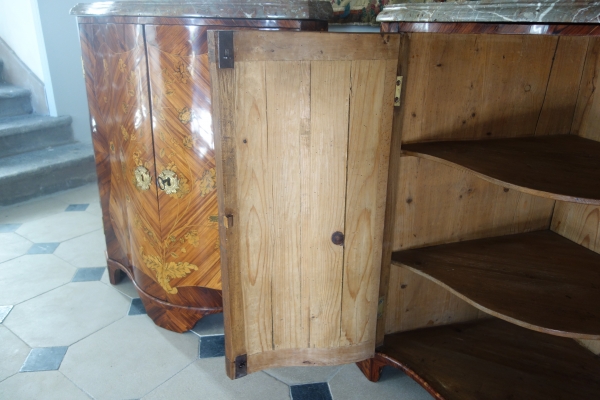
[
  {"x": 537, "y": 280},
  {"x": 492, "y": 359},
  {"x": 561, "y": 167}
]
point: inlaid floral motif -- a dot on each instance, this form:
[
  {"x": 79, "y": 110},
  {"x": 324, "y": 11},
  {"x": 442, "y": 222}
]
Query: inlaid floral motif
[
  {"x": 208, "y": 182},
  {"x": 165, "y": 272},
  {"x": 185, "y": 115}
]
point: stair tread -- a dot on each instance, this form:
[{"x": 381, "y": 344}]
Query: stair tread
[
  {"x": 31, "y": 122},
  {"x": 8, "y": 91},
  {"x": 48, "y": 158}
]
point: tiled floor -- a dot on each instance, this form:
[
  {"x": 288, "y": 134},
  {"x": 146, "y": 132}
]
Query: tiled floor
[{"x": 66, "y": 333}]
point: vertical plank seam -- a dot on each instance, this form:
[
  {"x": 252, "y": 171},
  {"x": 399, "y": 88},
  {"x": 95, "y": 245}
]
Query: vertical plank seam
[
  {"x": 309, "y": 126},
  {"x": 587, "y": 54},
  {"x": 350, "y": 95},
  {"x": 537, "y": 124}
]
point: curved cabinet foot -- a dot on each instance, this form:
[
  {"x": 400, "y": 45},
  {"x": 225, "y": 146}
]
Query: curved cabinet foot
[
  {"x": 371, "y": 368},
  {"x": 173, "y": 317}
]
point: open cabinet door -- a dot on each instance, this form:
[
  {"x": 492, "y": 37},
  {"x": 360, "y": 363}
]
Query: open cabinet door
[{"x": 302, "y": 126}]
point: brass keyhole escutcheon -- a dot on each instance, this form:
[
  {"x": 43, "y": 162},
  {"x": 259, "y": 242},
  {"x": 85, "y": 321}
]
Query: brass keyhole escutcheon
[
  {"x": 143, "y": 180},
  {"x": 337, "y": 238},
  {"x": 168, "y": 181}
]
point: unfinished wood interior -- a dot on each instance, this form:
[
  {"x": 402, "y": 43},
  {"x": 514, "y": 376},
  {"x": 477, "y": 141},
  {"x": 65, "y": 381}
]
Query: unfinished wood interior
[{"x": 479, "y": 88}]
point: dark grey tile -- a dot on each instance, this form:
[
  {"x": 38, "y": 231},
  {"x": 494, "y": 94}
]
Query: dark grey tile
[
  {"x": 77, "y": 207},
  {"x": 209, "y": 326},
  {"x": 6, "y": 228},
  {"x": 311, "y": 391},
  {"x": 44, "y": 359},
  {"x": 43, "y": 248},
  {"x": 4, "y": 310},
  {"x": 136, "y": 307},
  {"x": 88, "y": 274},
  {"x": 212, "y": 346}
]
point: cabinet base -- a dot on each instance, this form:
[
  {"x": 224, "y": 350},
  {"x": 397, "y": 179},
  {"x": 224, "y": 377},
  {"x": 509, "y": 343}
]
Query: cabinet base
[{"x": 173, "y": 317}]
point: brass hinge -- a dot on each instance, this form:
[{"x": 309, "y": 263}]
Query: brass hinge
[
  {"x": 241, "y": 366},
  {"x": 225, "y": 49},
  {"x": 380, "y": 304},
  {"x": 398, "y": 91}
]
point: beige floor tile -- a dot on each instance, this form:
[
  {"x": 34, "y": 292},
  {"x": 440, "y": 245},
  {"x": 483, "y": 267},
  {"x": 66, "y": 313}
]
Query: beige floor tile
[
  {"x": 30, "y": 210},
  {"x": 207, "y": 376},
  {"x": 31, "y": 275},
  {"x": 66, "y": 314},
  {"x": 302, "y": 375},
  {"x": 128, "y": 359},
  {"x": 84, "y": 251},
  {"x": 60, "y": 227},
  {"x": 125, "y": 286},
  {"x": 350, "y": 384},
  {"x": 13, "y": 353},
  {"x": 82, "y": 195},
  {"x": 95, "y": 209},
  {"x": 13, "y": 246},
  {"x": 47, "y": 385}
]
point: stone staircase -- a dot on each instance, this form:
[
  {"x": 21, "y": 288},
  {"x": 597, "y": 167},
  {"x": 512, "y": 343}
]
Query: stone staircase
[{"x": 38, "y": 154}]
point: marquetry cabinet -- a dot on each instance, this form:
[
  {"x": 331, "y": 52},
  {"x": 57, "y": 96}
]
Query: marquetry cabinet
[
  {"x": 471, "y": 262},
  {"x": 146, "y": 72}
]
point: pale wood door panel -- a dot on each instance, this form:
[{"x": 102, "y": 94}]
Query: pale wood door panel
[{"x": 302, "y": 131}]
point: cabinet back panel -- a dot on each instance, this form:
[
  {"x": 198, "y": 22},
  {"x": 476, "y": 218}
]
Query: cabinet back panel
[{"x": 467, "y": 87}]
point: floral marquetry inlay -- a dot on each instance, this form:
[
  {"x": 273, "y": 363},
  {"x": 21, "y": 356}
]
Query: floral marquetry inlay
[{"x": 165, "y": 272}]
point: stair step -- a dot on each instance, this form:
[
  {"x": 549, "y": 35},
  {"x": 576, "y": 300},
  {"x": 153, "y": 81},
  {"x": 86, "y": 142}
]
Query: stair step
[
  {"x": 33, "y": 132},
  {"x": 46, "y": 171},
  {"x": 1, "y": 71},
  {"x": 14, "y": 101}
]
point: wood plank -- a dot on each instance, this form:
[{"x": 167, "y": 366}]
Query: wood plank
[
  {"x": 558, "y": 280},
  {"x": 288, "y": 119},
  {"x": 417, "y": 302},
  {"x": 371, "y": 105},
  {"x": 493, "y": 360},
  {"x": 322, "y": 261},
  {"x": 500, "y": 80},
  {"x": 223, "y": 113},
  {"x": 315, "y": 46},
  {"x": 587, "y": 113},
  {"x": 254, "y": 191},
  {"x": 526, "y": 164},
  {"x": 561, "y": 95}
]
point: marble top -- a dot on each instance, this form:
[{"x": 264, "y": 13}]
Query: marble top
[
  {"x": 273, "y": 9},
  {"x": 507, "y": 11}
]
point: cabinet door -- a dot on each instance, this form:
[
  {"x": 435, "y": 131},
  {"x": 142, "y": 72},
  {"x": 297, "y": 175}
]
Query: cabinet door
[{"x": 302, "y": 129}]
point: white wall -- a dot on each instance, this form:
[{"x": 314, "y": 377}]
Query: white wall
[{"x": 17, "y": 28}]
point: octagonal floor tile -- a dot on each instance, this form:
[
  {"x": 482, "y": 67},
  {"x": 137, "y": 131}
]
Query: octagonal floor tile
[
  {"x": 207, "y": 376},
  {"x": 13, "y": 353},
  {"x": 60, "y": 227},
  {"x": 30, "y": 210},
  {"x": 125, "y": 286},
  {"x": 47, "y": 385},
  {"x": 31, "y": 275},
  {"x": 84, "y": 251},
  {"x": 351, "y": 384},
  {"x": 303, "y": 375},
  {"x": 129, "y": 359},
  {"x": 13, "y": 246},
  {"x": 66, "y": 314}
]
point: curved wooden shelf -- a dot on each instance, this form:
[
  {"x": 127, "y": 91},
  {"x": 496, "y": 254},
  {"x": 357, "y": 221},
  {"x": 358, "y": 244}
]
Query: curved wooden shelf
[
  {"x": 561, "y": 167},
  {"x": 491, "y": 360},
  {"x": 537, "y": 280}
]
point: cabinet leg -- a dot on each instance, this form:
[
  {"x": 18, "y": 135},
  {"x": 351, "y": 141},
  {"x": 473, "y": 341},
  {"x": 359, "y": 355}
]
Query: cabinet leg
[
  {"x": 371, "y": 368},
  {"x": 114, "y": 273}
]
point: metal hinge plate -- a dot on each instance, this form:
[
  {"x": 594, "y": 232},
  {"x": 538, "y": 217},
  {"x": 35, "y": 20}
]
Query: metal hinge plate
[
  {"x": 225, "y": 49},
  {"x": 398, "y": 91},
  {"x": 241, "y": 366},
  {"x": 228, "y": 221}
]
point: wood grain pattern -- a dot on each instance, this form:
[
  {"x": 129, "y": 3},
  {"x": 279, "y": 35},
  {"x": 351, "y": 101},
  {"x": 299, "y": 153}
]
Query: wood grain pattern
[
  {"x": 289, "y": 140},
  {"x": 526, "y": 164},
  {"x": 587, "y": 113},
  {"x": 221, "y": 22},
  {"x": 493, "y": 360},
  {"x": 556, "y": 116},
  {"x": 314, "y": 46},
  {"x": 557, "y": 280},
  {"x": 492, "y": 28},
  {"x": 493, "y": 86}
]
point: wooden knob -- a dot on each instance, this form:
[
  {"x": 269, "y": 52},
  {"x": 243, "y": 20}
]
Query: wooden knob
[{"x": 337, "y": 238}]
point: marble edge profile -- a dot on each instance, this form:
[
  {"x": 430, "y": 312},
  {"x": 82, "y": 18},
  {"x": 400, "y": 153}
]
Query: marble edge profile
[
  {"x": 319, "y": 10},
  {"x": 560, "y": 11}
]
